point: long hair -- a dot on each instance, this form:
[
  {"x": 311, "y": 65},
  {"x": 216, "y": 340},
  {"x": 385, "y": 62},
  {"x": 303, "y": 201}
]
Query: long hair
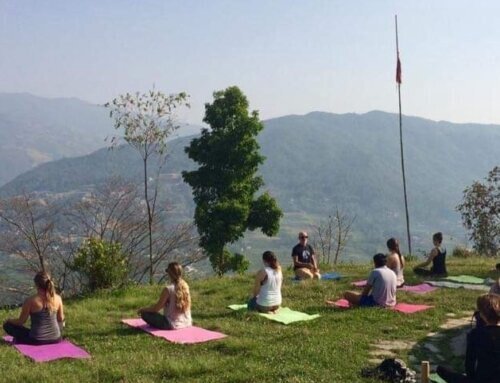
[
  {"x": 44, "y": 283},
  {"x": 270, "y": 258},
  {"x": 393, "y": 245},
  {"x": 489, "y": 307},
  {"x": 182, "y": 296}
]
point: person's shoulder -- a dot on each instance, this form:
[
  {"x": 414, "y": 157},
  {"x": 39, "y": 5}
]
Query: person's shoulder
[{"x": 296, "y": 247}]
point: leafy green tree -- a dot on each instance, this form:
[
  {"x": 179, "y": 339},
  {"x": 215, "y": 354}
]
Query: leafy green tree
[
  {"x": 147, "y": 120},
  {"x": 480, "y": 210},
  {"x": 225, "y": 183},
  {"x": 102, "y": 263}
]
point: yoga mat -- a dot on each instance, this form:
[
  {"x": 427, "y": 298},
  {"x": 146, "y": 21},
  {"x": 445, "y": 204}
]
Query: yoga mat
[
  {"x": 48, "y": 352},
  {"x": 286, "y": 316},
  {"x": 406, "y": 308},
  {"x": 237, "y": 307},
  {"x": 466, "y": 279},
  {"x": 409, "y": 308},
  {"x": 186, "y": 335},
  {"x": 453, "y": 285},
  {"x": 419, "y": 289},
  {"x": 359, "y": 283},
  {"x": 333, "y": 276},
  {"x": 436, "y": 379}
]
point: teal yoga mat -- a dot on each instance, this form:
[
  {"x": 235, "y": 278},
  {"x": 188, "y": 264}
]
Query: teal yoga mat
[
  {"x": 468, "y": 279},
  {"x": 283, "y": 315}
]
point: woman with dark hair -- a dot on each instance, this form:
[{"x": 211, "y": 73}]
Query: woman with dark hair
[
  {"x": 267, "y": 287},
  {"x": 175, "y": 300},
  {"x": 437, "y": 257},
  {"x": 45, "y": 310},
  {"x": 395, "y": 261},
  {"x": 482, "y": 357}
]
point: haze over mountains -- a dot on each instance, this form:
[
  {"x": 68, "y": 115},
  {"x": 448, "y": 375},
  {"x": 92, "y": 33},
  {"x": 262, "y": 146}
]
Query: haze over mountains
[
  {"x": 35, "y": 130},
  {"x": 314, "y": 163}
]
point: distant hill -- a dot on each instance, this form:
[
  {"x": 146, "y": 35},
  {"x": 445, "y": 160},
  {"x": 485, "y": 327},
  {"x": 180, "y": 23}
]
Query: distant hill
[
  {"x": 35, "y": 130},
  {"x": 321, "y": 160}
]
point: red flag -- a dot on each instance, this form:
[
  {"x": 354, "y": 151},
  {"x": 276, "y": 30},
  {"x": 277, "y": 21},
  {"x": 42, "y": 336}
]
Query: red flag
[{"x": 398, "y": 71}]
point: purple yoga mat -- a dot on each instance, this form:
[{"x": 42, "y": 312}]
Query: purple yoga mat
[
  {"x": 419, "y": 289},
  {"x": 406, "y": 308},
  {"x": 186, "y": 335},
  {"x": 48, "y": 352}
]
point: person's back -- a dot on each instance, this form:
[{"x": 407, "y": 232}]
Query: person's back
[
  {"x": 44, "y": 324},
  {"x": 439, "y": 262},
  {"x": 483, "y": 354},
  {"x": 383, "y": 282},
  {"x": 177, "y": 318},
  {"x": 270, "y": 291}
]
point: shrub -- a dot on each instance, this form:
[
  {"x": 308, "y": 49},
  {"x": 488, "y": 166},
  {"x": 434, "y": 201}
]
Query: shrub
[
  {"x": 102, "y": 264},
  {"x": 463, "y": 252}
]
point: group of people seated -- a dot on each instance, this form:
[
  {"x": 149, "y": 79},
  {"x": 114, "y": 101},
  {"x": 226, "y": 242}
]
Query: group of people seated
[
  {"x": 45, "y": 308},
  {"x": 388, "y": 275}
]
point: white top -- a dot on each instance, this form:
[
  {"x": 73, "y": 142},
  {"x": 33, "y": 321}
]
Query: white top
[
  {"x": 177, "y": 318},
  {"x": 398, "y": 270},
  {"x": 270, "y": 291}
]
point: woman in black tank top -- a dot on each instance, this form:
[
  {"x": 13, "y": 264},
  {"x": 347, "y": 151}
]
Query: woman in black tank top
[{"x": 437, "y": 257}]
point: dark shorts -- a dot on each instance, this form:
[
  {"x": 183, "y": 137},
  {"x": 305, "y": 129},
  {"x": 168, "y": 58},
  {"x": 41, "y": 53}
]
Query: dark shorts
[{"x": 367, "y": 301}]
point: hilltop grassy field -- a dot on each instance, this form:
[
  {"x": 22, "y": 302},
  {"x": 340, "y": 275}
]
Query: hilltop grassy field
[{"x": 332, "y": 348}]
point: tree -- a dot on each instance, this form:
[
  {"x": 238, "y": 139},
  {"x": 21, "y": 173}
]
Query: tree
[
  {"x": 147, "y": 120},
  {"x": 480, "y": 210},
  {"x": 225, "y": 183},
  {"x": 333, "y": 235},
  {"x": 28, "y": 230},
  {"x": 114, "y": 213}
]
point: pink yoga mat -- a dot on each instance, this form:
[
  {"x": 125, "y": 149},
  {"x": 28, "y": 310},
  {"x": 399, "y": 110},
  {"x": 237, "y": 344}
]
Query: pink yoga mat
[
  {"x": 406, "y": 308},
  {"x": 186, "y": 335},
  {"x": 48, "y": 352},
  {"x": 419, "y": 289}
]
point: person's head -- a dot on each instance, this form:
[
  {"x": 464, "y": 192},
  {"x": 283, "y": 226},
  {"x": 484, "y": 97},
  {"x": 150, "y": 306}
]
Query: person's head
[
  {"x": 303, "y": 237},
  {"x": 174, "y": 271},
  {"x": 393, "y": 245},
  {"x": 182, "y": 295},
  {"x": 270, "y": 259},
  {"x": 379, "y": 260},
  {"x": 437, "y": 238},
  {"x": 46, "y": 288},
  {"x": 489, "y": 308}
]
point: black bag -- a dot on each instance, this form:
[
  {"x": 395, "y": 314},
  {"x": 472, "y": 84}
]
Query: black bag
[{"x": 392, "y": 370}]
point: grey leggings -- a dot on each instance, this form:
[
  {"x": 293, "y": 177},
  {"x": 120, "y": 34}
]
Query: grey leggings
[{"x": 156, "y": 320}]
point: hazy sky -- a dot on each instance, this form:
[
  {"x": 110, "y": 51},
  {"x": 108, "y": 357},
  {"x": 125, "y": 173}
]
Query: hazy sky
[{"x": 289, "y": 57}]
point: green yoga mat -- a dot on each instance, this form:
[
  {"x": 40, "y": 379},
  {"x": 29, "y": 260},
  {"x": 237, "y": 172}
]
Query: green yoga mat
[
  {"x": 455, "y": 285},
  {"x": 237, "y": 307},
  {"x": 436, "y": 379},
  {"x": 468, "y": 279},
  {"x": 286, "y": 316},
  {"x": 283, "y": 315}
]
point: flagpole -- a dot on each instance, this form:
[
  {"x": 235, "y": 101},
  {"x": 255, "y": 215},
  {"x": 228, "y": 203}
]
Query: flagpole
[{"x": 398, "y": 80}]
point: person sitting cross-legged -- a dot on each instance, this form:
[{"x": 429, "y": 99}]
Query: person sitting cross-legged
[
  {"x": 482, "y": 356},
  {"x": 380, "y": 289},
  {"x": 175, "y": 300},
  {"x": 304, "y": 260},
  {"x": 267, "y": 286}
]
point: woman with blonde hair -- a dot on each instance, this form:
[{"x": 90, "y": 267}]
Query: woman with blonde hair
[
  {"x": 45, "y": 310},
  {"x": 175, "y": 300}
]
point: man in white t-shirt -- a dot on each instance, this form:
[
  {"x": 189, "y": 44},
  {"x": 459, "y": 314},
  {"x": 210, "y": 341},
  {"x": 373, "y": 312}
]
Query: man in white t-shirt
[{"x": 380, "y": 289}]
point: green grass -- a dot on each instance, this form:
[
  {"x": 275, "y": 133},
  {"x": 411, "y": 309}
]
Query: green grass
[{"x": 332, "y": 348}]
